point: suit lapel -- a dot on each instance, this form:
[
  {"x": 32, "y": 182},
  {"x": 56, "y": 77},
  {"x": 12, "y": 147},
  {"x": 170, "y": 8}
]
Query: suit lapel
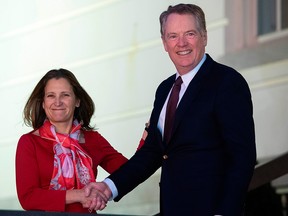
[
  {"x": 192, "y": 91},
  {"x": 186, "y": 102},
  {"x": 162, "y": 95},
  {"x": 160, "y": 99}
]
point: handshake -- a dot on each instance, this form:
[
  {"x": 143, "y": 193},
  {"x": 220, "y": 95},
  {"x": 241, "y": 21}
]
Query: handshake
[{"x": 96, "y": 196}]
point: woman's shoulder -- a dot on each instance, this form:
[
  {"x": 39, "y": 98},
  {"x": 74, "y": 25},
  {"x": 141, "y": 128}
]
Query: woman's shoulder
[
  {"x": 30, "y": 135},
  {"x": 29, "y": 140},
  {"x": 90, "y": 133},
  {"x": 92, "y": 137}
]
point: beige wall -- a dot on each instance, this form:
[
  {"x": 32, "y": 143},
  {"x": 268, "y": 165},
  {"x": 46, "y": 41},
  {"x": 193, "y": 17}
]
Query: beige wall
[
  {"x": 114, "y": 48},
  {"x": 269, "y": 87}
]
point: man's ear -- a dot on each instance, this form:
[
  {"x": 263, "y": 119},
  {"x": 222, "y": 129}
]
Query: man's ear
[
  {"x": 205, "y": 38},
  {"x": 164, "y": 43}
]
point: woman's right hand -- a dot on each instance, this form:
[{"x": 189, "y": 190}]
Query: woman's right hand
[
  {"x": 100, "y": 194},
  {"x": 95, "y": 196}
]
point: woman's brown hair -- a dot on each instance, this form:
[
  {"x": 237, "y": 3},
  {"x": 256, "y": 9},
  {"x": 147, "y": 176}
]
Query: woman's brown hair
[{"x": 34, "y": 114}]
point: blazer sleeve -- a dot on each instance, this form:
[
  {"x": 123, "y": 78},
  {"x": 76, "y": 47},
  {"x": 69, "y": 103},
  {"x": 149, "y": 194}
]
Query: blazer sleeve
[
  {"x": 234, "y": 112},
  {"x": 147, "y": 159},
  {"x": 111, "y": 159},
  {"x": 30, "y": 185}
]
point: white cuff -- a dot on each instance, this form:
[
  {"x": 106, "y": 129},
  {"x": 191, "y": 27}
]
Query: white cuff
[{"x": 112, "y": 187}]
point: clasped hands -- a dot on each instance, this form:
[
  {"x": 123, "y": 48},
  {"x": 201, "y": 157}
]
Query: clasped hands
[{"x": 97, "y": 195}]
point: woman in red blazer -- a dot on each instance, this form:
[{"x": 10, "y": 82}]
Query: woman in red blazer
[{"x": 56, "y": 160}]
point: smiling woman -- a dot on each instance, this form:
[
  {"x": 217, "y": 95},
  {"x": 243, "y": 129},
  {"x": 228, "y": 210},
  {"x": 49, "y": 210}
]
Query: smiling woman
[
  {"x": 59, "y": 104},
  {"x": 56, "y": 160}
]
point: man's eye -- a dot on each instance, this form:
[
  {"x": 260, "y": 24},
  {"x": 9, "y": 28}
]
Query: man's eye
[
  {"x": 172, "y": 37},
  {"x": 191, "y": 34}
]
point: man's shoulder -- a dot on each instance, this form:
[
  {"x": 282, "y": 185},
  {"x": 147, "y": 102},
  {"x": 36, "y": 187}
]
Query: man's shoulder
[
  {"x": 168, "y": 81},
  {"x": 222, "y": 70}
]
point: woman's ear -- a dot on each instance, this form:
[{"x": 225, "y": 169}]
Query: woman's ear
[{"x": 77, "y": 103}]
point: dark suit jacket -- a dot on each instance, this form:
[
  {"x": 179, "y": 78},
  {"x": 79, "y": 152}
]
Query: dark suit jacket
[{"x": 209, "y": 161}]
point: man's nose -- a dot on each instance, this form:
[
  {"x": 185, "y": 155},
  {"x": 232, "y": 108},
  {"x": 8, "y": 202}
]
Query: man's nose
[{"x": 182, "y": 41}]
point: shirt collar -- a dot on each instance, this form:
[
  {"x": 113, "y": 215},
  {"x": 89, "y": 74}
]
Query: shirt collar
[{"x": 189, "y": 76}]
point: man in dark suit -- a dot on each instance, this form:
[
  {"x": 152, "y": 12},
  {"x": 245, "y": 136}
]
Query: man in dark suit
[{"x": 208, "y": 160}]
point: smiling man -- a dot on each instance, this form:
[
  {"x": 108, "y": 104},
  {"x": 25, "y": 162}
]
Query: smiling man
[
  {"x": 184, "y": 41},
  {"x": 208, "y": 155}
]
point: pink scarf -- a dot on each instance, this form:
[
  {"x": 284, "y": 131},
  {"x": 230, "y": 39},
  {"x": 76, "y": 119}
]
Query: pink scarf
[{"x": 71, "y": 163}]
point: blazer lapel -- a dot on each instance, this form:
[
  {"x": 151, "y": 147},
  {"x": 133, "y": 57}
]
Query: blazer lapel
[
  {"x": 192, "y": 91},
  {"x": 162, "y": 95}
]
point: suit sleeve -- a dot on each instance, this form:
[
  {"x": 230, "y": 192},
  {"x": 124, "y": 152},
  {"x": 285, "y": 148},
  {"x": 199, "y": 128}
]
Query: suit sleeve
[
  {"x": 111, "y": 159},
  {"x": 235, "y": 117},
  {"x": 138, "y": 168},
  {"x": 143, "y": 163}
]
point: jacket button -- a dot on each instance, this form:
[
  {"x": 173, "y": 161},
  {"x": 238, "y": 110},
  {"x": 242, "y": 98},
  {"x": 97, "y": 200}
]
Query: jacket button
[{"x": 165, "y": 157}]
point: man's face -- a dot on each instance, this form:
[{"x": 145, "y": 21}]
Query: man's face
[{"x": 183, "y": 42}]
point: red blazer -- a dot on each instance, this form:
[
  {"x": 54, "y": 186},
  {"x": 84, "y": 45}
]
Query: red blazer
[{"x": 34, "y": 167}]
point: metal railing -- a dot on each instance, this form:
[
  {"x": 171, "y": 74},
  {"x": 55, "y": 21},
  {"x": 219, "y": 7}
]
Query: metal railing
[
  {"x": 264, "y": 173},
  {"x": 268, "y": 171},
  {"x": 42, "y": 213}
]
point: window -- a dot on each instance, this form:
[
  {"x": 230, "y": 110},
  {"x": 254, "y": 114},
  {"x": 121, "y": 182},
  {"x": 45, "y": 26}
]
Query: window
[
  {"x": 272, "y": 16},
  {"x": 284, "y": 14}
]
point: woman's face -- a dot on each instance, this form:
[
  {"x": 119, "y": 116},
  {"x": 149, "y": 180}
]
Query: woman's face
[{"x": 59, "y": 102}]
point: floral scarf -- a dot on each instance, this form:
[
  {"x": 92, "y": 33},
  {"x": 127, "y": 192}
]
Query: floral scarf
[{"x": 72, "y": 165}]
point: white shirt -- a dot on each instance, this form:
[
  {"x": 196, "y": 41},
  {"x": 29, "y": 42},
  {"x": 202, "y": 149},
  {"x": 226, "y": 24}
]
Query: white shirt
[{"x": 186, "y": 80}]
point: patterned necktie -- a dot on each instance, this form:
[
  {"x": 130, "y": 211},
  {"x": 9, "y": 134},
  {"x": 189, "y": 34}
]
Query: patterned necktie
[{"x": 171, "y": 108}]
